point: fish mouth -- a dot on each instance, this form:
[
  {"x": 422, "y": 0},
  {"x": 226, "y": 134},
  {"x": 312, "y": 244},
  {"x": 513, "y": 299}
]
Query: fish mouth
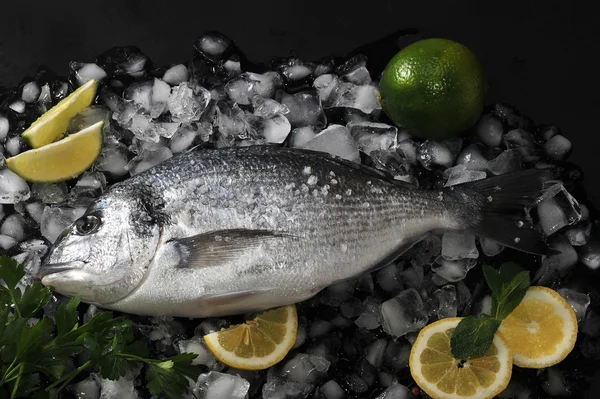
[{"x": 53, "y": 268}]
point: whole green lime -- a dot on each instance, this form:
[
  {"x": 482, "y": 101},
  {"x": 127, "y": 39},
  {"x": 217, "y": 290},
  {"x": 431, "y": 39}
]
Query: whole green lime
[{"x": 435, "y": 88}]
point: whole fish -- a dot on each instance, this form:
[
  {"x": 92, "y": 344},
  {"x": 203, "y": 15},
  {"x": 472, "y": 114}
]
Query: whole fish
[{"x": 228, "y": 231}]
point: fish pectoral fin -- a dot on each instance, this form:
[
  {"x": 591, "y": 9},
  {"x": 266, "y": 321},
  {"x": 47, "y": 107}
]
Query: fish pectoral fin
[
  {"x": 234, "y": 302},
  {"x": 216, "y": 248}
]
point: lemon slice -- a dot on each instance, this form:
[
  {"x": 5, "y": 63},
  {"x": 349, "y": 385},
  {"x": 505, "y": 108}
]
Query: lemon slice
[
  {"x": 53, "y": 124},
  {"x": 542, "y": 330},
  {"x": 63, "y": 160},
  {"x": 443, "y": 376},
  {"x": 257, "y": 344}
]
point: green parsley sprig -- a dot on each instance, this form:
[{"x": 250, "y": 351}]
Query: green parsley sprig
[
  {"x": 37, "y": 355},
  {"x": 473, "y": 336}
]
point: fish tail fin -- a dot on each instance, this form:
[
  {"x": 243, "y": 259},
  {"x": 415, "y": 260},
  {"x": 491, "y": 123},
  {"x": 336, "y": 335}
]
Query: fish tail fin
[{"x": 501, "y": 202}]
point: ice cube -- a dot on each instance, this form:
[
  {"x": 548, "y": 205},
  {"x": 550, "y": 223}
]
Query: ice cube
[
  {"x": 88, "y": 117},
  {"x": 524, "y": 142},
  {"x": 393, "y": 163},
  {"x": 459, "y": 174},
  {"x": 404, "y": 313},
  {"x": 559, "y": 264},
  {"x": 4, "y": 127},
  {"x": 18, "y": 106},
  {"x": 7, "y": 242},
  {"x": 389, "y": 278},
  {"x": 295, "y": 377},
  {"x": 591, "y": 323},
  {"x": 14, "y": 226},
  {"x": 319, "y": 328},
  {"x": 275, "y": 130},
  {"x": 490, "y": 247},
  {"x": 125, "y": 60},
  {"x": 44, "y": 99},
  {"x": 244, "y": 87},
  {"x": 351, "y": 308},
  {"x": 508, "y": 161},
  {"x": 31, "y": 92},
  {"x": 555, "y": 385},
  {"x": 431, "y": 154},
  {"x": 113, "y": 159},
  {"x": 472, "y": 158},
  {"x": 90, "y": 184},
  {"x": 453, "y": 270},
  {"x": 349, "y": 95},
  {"x": 324, "y": 85},
  {"x": 56, "y": 219},
  {"x": 446, "y": 300},
  {"x": 215, "y": 385},
  {"x": 324, "y": 65},
  {"x": 268, "y": 108},
  {"x": 364, "y": 283},
  {"x": 35, "y": 245},
  {"x": 372, "y": 136},
  {"x": 336, "y": 140},
  {"x": 359, "y": 76},
  {"x": 590, "y": 253},
  {"x": 123, "y": 388},
  {"x": 182, "y": 140},
  {"x": 332, "y": 390},
  {"x": 186, "y": 106},
  {"x": 375, "y": 352},
  {"x": 457, "y": 246},
  {"x": 489, "y": 129},
  {"x": 176, "y": 75},
  {"x": 33, "y": 209},
  {"x": 15, "y": 145},
  {"x": 293, "y": 70},
  {"x": 578, "y": 301},
  {"x": 371, "y": 317},
  {"x": 396, "y": 391},
  {"x": 86, "y": 72},
  {"x": 196, "y": 345},
  {"x": 578, "y": 235},
  {"x": 86, "y": 389},
  {"x": 397, "y": 354},
  {"x": 159, "y": 98},
  {"x": 557, "y": 148},
  {"x": 302, "y": 135},
  {"x": 412, "y": 276},
  {"x": 304, "y": 109},
  {"x": 147, "y": 160},
  {"x": 557, "y": 209},
  {"x": 214, "y": 46},
  {"x": 13, "y": 189},
  {"x": 50, "y": 193},
  {"x": 408, "y": 149},
  {"x": 351, "y": 64}
]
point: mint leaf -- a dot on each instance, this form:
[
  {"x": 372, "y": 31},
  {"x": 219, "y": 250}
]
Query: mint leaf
[
  {"x": 511, "y": 297},
  {"x": 473, "y": 336},
  {"x": 509, "y": 285}
]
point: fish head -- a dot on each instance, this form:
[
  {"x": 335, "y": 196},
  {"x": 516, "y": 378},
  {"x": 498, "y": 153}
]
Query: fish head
[{"x": 104, "y": 255}]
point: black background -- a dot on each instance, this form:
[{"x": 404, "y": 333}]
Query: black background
[{"x": 538, "y": 55}]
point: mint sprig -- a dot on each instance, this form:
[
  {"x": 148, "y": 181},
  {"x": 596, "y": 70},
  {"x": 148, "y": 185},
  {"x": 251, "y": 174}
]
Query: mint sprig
[{"x": 473, "y": 336}]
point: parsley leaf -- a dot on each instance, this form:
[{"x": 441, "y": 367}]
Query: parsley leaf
[{"x": 40, "y": 357}]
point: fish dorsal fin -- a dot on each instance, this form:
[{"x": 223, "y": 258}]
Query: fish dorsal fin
[{"x": 216, "y": 248}]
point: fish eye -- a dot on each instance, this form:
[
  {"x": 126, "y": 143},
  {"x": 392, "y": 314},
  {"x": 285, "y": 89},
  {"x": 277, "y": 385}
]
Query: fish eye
[{"x": 87, "y": 225}]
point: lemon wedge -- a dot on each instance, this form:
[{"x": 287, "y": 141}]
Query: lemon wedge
[
  {"x": 257, "y": 344},
  {"x": 53, "y": 124},
  {"x": 442, "y": 376},
  {"x": 542, "y": 330},
  {"x": 63, "y": 160}
]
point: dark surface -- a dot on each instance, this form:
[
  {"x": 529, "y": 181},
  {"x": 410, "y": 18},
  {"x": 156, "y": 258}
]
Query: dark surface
[{"x": 537, "y": 55}]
